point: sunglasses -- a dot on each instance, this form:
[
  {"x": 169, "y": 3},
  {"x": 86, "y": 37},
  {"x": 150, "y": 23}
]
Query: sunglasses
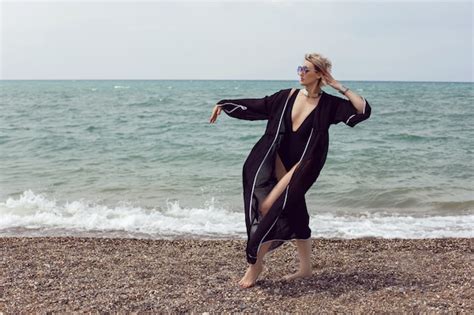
[{"x": 304, "y": 69}]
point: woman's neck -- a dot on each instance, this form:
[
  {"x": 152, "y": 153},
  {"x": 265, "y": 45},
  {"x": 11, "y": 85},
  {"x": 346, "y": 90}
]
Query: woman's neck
[{"x": 313, "y": 91}]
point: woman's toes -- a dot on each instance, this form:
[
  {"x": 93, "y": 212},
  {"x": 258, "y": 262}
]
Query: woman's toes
[{"x": 250, "y": 276}]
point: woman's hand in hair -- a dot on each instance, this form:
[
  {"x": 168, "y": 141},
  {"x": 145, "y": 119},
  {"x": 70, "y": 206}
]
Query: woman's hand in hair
[{"x": 330, "y": 80}]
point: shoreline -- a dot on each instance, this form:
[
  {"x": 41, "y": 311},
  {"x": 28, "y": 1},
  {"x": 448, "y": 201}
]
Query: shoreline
[{"x": 92, "y": 274}]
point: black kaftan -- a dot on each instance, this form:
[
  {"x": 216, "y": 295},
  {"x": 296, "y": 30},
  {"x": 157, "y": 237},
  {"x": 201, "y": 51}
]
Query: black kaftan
[{"x": 288, "y": 217}]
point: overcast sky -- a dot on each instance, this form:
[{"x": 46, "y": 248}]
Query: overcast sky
[{"x": 365, "y": 40}]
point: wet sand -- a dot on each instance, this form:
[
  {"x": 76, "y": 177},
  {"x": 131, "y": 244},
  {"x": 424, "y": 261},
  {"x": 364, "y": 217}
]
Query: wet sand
[{"x": 62, "y": 274}]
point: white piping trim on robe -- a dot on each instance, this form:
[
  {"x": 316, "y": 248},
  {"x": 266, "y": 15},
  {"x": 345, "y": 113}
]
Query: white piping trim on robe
[
  {"x": 236, "y": 106},
  {"x": 264, "y": 158},
  {"x": 347, "y": 121},
  {"x": 363, "y": 111}
]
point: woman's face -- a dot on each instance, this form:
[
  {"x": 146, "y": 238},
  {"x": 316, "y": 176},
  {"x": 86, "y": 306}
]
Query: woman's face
[{"x": 311, "y": 77}]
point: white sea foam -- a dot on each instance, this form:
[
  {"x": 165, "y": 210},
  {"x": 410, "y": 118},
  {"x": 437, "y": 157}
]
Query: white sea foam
[
  {"x": 393, "y": 226},
  {"x": 33, "y": 212}
]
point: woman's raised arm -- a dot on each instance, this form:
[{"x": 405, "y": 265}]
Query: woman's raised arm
[{"x": 245, "y": 108}]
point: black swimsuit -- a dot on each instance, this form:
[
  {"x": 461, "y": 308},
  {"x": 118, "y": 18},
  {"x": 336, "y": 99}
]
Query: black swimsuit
[{"x": 293, "y": 143}]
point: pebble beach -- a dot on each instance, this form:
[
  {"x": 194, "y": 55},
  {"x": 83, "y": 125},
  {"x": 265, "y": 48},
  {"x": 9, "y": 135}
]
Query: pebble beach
[{"x": 368, "y": 275}]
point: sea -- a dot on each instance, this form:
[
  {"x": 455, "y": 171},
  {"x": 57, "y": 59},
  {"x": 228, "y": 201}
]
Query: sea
[{"x": 139, "y": 159}]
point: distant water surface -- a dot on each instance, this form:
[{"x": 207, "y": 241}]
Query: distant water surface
[{"x": 139, "y": 158}]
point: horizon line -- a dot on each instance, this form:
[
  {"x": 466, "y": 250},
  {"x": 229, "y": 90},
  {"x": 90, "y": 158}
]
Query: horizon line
[{"x": 407, "y": 81}]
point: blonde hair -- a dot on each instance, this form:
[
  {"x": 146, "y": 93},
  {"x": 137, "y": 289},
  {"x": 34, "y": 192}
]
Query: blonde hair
[{"x": 319, "y": 62}]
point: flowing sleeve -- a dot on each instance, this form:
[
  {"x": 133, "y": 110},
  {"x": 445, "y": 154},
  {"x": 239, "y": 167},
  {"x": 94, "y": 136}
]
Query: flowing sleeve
[
  {"x": 249, "y": 108},
  {"x": 347, "y": 113}
]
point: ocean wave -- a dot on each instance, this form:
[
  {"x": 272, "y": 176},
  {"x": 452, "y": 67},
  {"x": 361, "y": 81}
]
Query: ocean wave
[
  {"x": 392, "y": 226},
  {"x": 32, "y": 213},
  {"x": 35, "y": 211}
]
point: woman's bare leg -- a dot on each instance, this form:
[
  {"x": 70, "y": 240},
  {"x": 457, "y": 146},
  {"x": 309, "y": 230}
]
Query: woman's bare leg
[
  {"x": 304, "y": 253},
  {"x": 277, "y": 190},
  {"x": 253, "y": 271}
]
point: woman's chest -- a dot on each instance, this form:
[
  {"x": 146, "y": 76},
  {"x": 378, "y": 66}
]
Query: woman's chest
[
  {"x": 293, "y": 113},
  {"x": 300, "y": 111}
]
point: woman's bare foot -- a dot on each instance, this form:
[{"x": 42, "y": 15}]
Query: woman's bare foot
[
  {"x": 251, "y": 275},
  {"x": 298, "y": 274}
]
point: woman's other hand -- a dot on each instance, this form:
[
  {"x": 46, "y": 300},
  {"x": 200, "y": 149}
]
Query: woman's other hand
[{"x": 215, "y": 112}]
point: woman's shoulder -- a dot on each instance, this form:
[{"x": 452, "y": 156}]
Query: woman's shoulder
[
  {"x": 282, "y": 95},
  {"x": 282, "y": 91},
  {"x": 285, "y": 92},
  {"x": 278, "y": 95}
]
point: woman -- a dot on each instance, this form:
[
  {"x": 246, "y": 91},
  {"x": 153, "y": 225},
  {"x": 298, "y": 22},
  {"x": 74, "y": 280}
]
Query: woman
[{"x": 288, "y": 158}]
